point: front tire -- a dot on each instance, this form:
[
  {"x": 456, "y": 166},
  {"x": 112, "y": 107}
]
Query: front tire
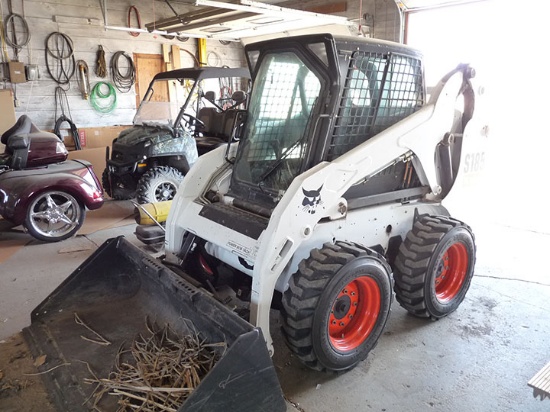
[
  {"x": 336, "y": 306},
  {"x": 158, "y": 184},
  {"x": 53, "y": 216},
  {"x": 435, "y": 266}
]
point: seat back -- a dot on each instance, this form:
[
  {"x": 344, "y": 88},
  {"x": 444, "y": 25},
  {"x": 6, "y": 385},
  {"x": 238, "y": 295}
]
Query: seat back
[
  {"x": 18, "y": 146},
  {"x": 210, "y": 116},
  {"x": 22, "y": 126}
]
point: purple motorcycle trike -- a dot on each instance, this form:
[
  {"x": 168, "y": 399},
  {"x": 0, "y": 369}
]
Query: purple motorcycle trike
[{"x": 42, "y": 190}]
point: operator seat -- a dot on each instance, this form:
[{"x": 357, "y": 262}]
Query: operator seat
[{"x": 219, "y": 124}]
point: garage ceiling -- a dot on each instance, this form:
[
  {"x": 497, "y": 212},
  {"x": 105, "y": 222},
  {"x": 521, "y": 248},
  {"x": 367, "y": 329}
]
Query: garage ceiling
[
  {"x": 411, "y": 5},
  {"x": 235, "y": 20}
]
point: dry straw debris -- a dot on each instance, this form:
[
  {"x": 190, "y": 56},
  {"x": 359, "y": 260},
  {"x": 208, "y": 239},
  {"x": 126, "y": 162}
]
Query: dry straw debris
[{"x": 158, "y": 372}]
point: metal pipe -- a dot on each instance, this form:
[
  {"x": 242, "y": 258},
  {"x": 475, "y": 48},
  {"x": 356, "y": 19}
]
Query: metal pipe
[
  {"x": 164, "y": 32},
  {"x": 270, "y": 10}
]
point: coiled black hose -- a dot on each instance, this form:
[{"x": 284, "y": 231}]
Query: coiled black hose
[{"x": 123, "y": 82}]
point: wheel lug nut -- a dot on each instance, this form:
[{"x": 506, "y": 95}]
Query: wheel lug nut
[
  {"x": 334, "y": 322},
  {"x": 342, "y": 324}
]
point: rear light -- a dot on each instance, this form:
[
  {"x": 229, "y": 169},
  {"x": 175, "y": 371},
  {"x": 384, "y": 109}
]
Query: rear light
[
  {"x": 60, "y": 148},
  {"x": 93, "y": 180}
]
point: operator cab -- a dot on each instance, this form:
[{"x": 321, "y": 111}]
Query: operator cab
[{"x": 316, "y": 98}]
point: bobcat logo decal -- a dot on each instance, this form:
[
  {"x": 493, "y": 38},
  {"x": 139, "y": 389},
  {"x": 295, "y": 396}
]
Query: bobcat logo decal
[{"x": 312, "y": 199}]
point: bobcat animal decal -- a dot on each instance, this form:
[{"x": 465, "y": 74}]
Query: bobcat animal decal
[{"x": 312, "y": 199}]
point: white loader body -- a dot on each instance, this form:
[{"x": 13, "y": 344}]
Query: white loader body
[{"x": 292, "y": 230}]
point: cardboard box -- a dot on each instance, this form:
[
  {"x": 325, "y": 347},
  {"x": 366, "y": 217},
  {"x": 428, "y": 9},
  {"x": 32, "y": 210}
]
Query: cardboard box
[
  {"x": 7, "y": 109},
  {"x": 92, "y": 137},
  {"x": 94, "y": 141}
]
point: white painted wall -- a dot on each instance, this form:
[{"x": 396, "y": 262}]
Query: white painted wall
[{"x": 36, "y": 98}]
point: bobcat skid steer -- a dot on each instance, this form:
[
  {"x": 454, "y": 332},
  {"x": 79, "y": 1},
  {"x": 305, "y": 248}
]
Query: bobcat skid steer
[
  {"x": 328, "y": 202},
  {"x": 333, "y": 196}
]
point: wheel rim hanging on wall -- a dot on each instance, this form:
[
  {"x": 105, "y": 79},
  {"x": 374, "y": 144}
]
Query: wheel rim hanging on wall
[
  {"x": 12, "y": 22},
  {"x": 60, "y": 61}
]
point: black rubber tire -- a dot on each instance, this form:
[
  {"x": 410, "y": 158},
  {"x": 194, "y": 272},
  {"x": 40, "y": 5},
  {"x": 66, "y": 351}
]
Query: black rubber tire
[
  {"x": 54, "y": 215},
  {"x": 437, "y": 249},
  {"x": 158, "y": 184},
  {"x": 312, "y": 298},
  {"x": 120, "y": 193}
]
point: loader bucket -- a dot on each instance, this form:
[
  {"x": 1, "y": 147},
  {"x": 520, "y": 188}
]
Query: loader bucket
[{"x": 112, "y": 294}]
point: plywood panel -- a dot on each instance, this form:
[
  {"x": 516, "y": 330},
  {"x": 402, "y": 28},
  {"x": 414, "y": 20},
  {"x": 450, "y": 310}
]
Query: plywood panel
[{"x": 147, "y": 66}]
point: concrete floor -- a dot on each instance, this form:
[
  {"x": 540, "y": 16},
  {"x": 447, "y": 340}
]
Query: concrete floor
[{"x": 480, "y": 358}]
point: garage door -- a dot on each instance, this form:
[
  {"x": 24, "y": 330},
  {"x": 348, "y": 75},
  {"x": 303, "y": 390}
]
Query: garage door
[{"x": 505, "y": 41}]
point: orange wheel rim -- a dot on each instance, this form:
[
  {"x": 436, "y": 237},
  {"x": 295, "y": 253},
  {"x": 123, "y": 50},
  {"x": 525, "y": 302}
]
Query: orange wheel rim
[
  {"x": 451, "y": 272},
  {"x": 354, "y": 313}
]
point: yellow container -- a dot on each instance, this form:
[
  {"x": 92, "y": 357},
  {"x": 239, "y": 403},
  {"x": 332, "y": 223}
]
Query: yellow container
[{"x": 159, "y": 211}]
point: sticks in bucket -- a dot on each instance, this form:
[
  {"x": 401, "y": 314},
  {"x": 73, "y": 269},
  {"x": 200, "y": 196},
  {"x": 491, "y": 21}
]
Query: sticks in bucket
[{"x": 159, "y": 371}]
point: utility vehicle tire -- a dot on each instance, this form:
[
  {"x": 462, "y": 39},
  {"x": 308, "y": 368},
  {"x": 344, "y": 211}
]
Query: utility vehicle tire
[
  {"x": 54, "y": 215},
  {"x": 120, "y": 192},
  {"x": 336, "y": 306},
  {"x": 434, "y": 266},
  {"x": 158, "y": 184}
]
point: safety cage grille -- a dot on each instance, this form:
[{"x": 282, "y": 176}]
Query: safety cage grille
[
  {"x": 380, "y": 89},
  {"x": 287, "y": 99},
  {"x": 281, "y": 105}
]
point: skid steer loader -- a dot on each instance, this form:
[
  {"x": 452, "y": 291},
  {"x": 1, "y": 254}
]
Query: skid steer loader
[{"x": 329, "y": 201}]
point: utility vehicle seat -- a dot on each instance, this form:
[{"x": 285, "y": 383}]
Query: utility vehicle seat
[{"x": 219, "y": 125}]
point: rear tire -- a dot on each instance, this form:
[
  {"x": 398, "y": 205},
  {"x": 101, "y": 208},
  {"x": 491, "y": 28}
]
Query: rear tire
[
  {"x": 120, "y": 192},
  {"x": 435, "y": 266},
  {"x": 54, "y": 215},
  {"x": 336, "y": 306},
  {"x": 158, "y": 185}
]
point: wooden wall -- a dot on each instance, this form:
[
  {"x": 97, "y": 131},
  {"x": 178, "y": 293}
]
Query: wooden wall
[{"x": 83, "y": 22}]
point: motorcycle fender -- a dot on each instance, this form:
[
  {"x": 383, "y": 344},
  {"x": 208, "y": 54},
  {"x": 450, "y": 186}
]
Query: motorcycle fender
[{"x": 19, "y": 187}]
